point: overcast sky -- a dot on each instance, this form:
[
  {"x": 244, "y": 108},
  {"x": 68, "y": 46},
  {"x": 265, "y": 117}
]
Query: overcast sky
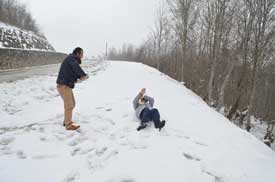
[{"x": 91, "y": 23}]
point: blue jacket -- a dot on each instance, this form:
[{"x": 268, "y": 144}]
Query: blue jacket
[{"x": 70, "y": 71}]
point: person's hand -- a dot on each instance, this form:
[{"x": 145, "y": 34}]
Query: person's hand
[
  {"x": 142, "y": 92},
  {"x": 78, "y": 81},
  {"x": 84, "y": 78}
]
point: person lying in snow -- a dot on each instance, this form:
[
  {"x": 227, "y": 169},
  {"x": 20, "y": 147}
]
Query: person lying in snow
[{"x": 143, "y": 106}]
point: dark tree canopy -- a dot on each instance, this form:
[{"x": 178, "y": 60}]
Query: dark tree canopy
[{"x": 17, "y": 14}]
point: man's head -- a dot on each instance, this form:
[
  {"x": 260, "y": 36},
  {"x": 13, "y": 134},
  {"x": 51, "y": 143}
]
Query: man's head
[{"x": 78, "y": 52}]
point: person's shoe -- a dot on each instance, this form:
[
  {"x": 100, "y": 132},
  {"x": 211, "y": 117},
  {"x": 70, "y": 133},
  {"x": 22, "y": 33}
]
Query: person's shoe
[
  {"x": 64, "y": 124},
  {"x": 71, "y": 126},
  {"x": 141, "y": 126},
  {"x": 161, "y": 124},
  {"x": 156, "y": 124}
]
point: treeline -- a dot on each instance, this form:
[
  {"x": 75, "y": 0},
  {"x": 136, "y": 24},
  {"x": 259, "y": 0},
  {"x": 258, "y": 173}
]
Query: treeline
[
  {"x": 17, "y": 14},
  {"x": 126, "y": 53},
  {"x": 223, "y": 50}
]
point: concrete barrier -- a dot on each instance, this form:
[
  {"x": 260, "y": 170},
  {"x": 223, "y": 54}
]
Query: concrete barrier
[{"x": 16, "y": 58}]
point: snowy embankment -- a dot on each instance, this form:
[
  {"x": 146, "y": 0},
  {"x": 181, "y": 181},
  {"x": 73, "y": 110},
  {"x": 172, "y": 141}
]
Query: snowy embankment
[
  {"x": 197, "y": 144},
  {"x": 12, "y": 37}
]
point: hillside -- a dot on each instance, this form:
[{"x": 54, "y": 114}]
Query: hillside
[{"x": 17, "y": 38}]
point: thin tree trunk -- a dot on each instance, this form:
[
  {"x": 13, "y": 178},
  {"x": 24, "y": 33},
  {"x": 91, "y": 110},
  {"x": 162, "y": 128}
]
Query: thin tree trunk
[{"x": 224, "y": 85}]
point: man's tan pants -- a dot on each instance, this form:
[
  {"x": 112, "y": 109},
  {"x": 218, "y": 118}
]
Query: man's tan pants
[{"x": 69, "y": 102}]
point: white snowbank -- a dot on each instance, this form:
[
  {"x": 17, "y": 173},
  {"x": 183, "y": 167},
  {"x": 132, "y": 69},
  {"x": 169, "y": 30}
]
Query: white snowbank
[
  {"x": 197, "y": 144},
  {"x": 23, "y": 37}
]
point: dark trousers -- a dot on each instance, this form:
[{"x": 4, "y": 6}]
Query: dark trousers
[{"x": 150, "y": 115}]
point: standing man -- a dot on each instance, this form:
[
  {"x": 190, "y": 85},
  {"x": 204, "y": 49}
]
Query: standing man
[{"x": 70, "y": 71}]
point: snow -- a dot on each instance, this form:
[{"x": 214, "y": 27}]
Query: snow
[
  {"x": 17, "y": 33},
  {"x": 10, "y": 27},
  {"x": 197, "y": 144},
  {"x": 31, "y": 49}
]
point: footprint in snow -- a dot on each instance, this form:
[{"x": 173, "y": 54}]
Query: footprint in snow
[
  {"x": 125, "y": 115},
  {"x": 7, "y": 141},
  {"x": 127, "y": 180},
  {"x": 27, "y": 129},
  {"x": 77, "y": 141},
  {"x": 100, "y": 152},
  {"x": 200, "y": 143},
  {"x": 75, "y": 151},
  {"x": 85, "y": 122},
  {"x": 191, "y": 157},
  {"x": 112, "y": 136},
  {"x": 138, "y": 147},
  {"x": 80, "y": 151},
  {"x": 5, "y": 151},
  {"x": 73, "y": 176},
  {"x": 217, "y": 178},
  {"x": 59, "y": 138},
  {"x": 110, "y": 121},
  {"x": 108, "y": 109},
  {"x": 21, "y": 155},
  {"x": 43, "y": 138},
  {"x": 96, "y": 162},
  {"x": 41, "y": 129},
  {"x": 40, "y": 157},
  {"x": 121, "y": 180},
  {"x": 100, "y": 107}
]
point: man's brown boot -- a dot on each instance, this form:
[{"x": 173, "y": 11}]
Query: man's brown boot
[{"x": 71, "y": 126}]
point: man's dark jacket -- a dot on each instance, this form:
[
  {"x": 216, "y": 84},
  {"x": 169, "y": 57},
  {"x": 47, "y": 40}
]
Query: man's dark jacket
[{"x": 70, "y": 71}]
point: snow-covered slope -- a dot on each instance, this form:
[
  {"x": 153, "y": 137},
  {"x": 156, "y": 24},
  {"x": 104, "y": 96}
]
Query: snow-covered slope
[
  {"x": 197, "y": 144},
  {"x": 16, "y": 38}
]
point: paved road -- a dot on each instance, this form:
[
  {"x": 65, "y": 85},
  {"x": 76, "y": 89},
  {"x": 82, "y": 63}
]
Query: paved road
[{"x": 17, "y": 74}]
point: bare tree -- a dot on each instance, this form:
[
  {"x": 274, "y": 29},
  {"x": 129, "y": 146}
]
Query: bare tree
[
  {"x": 230, "y": 48},
  {"x": 216, "y": 27},
  {"x": 245, "y": 21},
  {"x": 158, "y": 31},
  {"x": 263, "y": 11},
  {"x": 16, "y": 14},
  {"x": 185, "y": 13}
]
